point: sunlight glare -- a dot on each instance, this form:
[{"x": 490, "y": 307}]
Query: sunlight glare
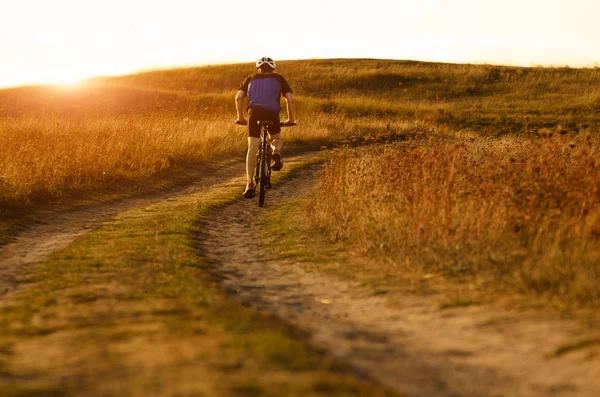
[
  {"x": 60, "y": 44},
  {"x": 63, "y": 78}
]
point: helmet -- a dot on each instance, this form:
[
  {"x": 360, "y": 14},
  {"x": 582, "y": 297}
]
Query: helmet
[{"x": 265, "y": 61}]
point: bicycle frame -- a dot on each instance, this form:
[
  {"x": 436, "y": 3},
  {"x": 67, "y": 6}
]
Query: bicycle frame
[{"x": 262, "y": 175}]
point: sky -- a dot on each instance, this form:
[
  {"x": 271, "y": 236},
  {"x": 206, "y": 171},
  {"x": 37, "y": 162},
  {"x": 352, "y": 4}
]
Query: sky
[{"x": 45, "y": 41}]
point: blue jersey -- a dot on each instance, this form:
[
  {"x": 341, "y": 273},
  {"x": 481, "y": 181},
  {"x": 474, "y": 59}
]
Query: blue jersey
[{"x": 264, "y": 90}]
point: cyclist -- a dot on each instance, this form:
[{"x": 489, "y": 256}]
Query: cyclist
[{"x": 264, "y": 90}]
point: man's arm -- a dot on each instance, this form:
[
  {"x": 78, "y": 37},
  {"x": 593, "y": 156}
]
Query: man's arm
[
  {"x": 291, "y": 110},
  {"x": 239, "y": 105}
]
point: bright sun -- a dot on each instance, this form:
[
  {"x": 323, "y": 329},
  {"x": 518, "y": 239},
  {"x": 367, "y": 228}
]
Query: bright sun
[{"x": 64, "y": 78}]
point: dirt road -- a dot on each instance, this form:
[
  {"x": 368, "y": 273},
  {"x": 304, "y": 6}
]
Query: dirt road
[{"x": 416, "y": 347}]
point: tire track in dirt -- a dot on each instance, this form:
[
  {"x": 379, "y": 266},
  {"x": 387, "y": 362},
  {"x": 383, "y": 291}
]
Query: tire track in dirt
[
  {"x": 415, "y": 347},
  {"x": 56, "y": 231}
]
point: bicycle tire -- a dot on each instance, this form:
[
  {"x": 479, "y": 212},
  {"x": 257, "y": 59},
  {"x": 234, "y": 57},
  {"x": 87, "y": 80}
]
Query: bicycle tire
[
  {"x": 269, "y": 157},
  {"x": 257, "y": 169},
  {"x": 263, "y": 172}
]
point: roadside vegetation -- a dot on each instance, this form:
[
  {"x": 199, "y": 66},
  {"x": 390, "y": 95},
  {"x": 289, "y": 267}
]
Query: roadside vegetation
[{"x": 502, "y": 217}]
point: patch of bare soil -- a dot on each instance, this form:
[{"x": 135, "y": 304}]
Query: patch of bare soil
[
  {"x": 415, "y": 347},
  {"x": 56, "y": 231}
]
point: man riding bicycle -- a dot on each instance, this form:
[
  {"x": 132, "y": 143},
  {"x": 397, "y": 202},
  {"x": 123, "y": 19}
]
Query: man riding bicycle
[{"x": 264, "y": 90}]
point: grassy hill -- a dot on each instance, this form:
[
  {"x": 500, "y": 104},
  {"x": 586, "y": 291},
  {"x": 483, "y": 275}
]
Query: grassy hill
[{"x": 123, "y": 132}]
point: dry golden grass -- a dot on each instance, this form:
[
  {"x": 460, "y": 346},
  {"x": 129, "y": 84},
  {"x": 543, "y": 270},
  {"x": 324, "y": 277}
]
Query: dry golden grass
[
  {"x": 60, "y": 156},
  {"x": 512, "y": 214},
  {"x": 123, "y": 132},
  {"x": 57, "y": 144}
]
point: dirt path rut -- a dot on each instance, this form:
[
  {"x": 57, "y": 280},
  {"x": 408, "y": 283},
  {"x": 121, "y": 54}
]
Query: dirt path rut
[
  {"x": 416, "y": 347},
  {"x": 57, "y": 231}
]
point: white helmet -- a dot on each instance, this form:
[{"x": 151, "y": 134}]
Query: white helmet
[{"x": 265, "y": 61}]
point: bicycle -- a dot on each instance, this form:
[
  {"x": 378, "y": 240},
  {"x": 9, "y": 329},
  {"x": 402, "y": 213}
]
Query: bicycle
[{"x": 262, "y": 175}]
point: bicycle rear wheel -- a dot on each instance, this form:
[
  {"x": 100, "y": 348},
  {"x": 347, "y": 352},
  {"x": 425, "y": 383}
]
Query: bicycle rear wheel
[{"x": 264, "y": 163}]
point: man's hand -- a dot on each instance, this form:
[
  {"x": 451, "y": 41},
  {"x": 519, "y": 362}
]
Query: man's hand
[{"x": 241, "y": 122}]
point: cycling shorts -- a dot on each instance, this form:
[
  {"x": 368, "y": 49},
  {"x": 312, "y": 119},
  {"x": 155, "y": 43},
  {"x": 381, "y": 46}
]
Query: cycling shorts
[{"x": 261, "y": 114}]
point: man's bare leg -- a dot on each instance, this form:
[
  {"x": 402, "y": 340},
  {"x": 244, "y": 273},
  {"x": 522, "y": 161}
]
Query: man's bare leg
[
  {"x": 276, "y": 145},
  {"x": 276, "y": 142},
  {"x": 251, "y": 160}
]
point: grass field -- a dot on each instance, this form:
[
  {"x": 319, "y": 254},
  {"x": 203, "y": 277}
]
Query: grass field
[
  {"x": 123, "y": 132},
  {"x": 485, "y": 177}
]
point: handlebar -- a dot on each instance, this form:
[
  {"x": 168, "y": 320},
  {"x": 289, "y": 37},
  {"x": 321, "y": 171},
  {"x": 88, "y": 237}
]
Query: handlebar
[{"x": 282, "y": 124}]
